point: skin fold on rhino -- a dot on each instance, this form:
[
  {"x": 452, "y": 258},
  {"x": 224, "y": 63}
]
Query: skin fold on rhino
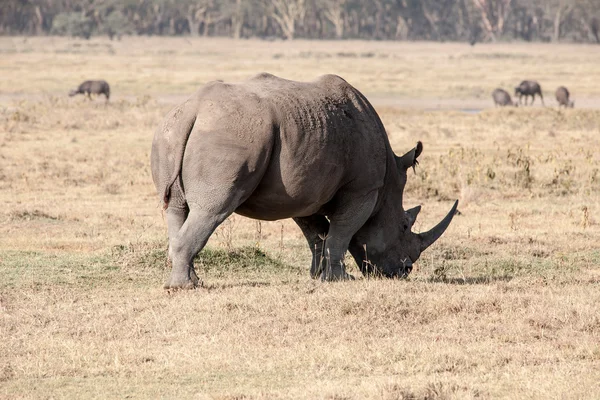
[{"x": 269, "y": 149}]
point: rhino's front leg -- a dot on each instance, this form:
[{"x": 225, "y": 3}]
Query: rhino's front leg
[
  {"x": 352, "y": 213},
  {"x": 314, "y": 228},
  {"x": 334, "y": 268},
  {"x": 357, "y": 250}
]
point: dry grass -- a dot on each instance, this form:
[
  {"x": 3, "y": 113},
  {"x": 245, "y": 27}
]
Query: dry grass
[{"x": 505, "y": 305}]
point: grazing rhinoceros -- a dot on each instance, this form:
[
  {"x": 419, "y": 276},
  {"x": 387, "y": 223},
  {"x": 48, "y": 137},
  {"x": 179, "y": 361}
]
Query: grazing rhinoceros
[
  {"x": 562, "y": 96},
  {"x": 529, "y": 88},
  {"x": 92, "y": 87},
  {"x": 270, "y": 148},
  {"x": 502, "y": 98}
]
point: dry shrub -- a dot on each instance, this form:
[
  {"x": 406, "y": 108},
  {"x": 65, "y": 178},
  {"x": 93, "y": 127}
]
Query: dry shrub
[
  {"x": 31, "y": 215},
  {"x": 433, "y": 391}
]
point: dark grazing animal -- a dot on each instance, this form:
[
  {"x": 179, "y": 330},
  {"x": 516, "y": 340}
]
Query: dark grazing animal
[
  {"x": 502, "y": 98},
  {"x": 562, "y": 96},
  {"x": 529, "y": 88},
  {"x": 92, "y": 87},
  {"x": 270, "y": 148}
]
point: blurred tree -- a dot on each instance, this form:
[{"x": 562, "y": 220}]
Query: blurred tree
[
  {"x": 288, "y": 14},
  {"x": 116, "y": 24},
  {"x": 334, "y": 11},
  {"x": 468, "y": 20},
  {"x": 74, "y": 24},
  {"x": 493, "y": 15}
]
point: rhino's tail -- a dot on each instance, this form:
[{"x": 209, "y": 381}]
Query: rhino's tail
[{"x": 181, "y": 134}]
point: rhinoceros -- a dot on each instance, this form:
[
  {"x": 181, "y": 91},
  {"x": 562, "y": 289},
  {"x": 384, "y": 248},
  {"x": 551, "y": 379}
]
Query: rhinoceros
[
  {"x": 92, "y": 87},
  {"x": 529, "y": 88},
  {"x": 502, "y": 98},
  {"x": 270, "y": 148},
  {"x": 562, "y": 96}
]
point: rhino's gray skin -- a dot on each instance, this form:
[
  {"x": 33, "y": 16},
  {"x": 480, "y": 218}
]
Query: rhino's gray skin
[
  {"x": 92, "y": 87},
  {"x": 270, "y": 148},
  {"x": 562, "y": 96},
  {"x": 529, "y": 88},
  {"x": 502, "y": 98}
]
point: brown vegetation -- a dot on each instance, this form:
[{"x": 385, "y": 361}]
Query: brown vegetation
[{"x": 505, "y": 305}]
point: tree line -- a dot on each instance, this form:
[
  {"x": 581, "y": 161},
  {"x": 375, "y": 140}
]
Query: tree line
[{"x": 437, "y": 20}]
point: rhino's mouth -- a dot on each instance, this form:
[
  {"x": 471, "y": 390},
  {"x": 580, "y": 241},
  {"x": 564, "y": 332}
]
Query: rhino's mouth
[{"x": 402, "y": 271}]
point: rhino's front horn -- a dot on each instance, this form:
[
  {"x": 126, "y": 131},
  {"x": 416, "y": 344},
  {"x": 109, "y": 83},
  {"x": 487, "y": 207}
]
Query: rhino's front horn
[{"x": 427, "y": 238}]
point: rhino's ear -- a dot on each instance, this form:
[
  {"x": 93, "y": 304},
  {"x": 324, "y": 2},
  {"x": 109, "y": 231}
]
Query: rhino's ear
[
  {"x": 409, "y": 159},
  {"x": 412, "y": 215}
]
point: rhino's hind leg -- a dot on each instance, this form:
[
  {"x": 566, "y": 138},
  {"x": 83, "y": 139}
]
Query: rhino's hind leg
[
  {"x": 176, "y": 216},
  {"x": 188, "y": 242},
  {"x": 315, "y": 228}
]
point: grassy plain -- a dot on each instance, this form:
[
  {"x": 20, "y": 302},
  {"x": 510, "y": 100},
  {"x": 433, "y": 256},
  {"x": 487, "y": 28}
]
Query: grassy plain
[{"x": 505, "y": 305}]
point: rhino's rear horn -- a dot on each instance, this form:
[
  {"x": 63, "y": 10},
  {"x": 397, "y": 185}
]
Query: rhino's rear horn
[
  {"x": 412, "y": 215},
  {"x": 410, "y": 159},
  {"x": 429, "y": 237}
]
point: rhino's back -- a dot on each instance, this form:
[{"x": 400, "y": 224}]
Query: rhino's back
[{"x": 321, "y": 136}]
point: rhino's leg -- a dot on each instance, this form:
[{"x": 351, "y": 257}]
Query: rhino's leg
[
  {"x": 208, "y": 208},
  {"x": 188, "y": 242},
  {"x": 314, "y": 228},
  {"x": 176, "y": 216},
  {"x": 352, "y": 213},
  {"x": 357, "y": 250}
]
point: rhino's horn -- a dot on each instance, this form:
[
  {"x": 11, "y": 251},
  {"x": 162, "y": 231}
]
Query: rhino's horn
[
  {"x": 412, "y": 214},
  {"x": 429, "y": 237}
]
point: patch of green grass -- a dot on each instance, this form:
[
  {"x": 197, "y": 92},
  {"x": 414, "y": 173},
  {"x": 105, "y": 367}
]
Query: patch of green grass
[
  {"x": 470, "y": 266},
  {"x": 248, "y": 259},
  {"x": 140, "y": 255},
  {"x": 210, "y": 262},
  {"x": 134, "y": 264},
  {"x": 34, "y": 269}
]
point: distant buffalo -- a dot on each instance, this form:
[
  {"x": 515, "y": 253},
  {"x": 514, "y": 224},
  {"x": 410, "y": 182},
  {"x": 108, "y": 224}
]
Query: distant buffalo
[
  {"x": 562, "y": 96},
  {"x": 502, "y": 98},
  {"x": 92, "y": 87},
  {"x": 529, "y": 88}
]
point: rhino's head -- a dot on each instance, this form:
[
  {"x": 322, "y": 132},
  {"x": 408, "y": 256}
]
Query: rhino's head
[
  {"x": 386, "y": 245},
  {"x": 72, "y": 92}
]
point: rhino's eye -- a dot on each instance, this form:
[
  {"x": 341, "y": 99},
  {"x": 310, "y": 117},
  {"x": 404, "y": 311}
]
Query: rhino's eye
[{"x": 405, "y": 227}]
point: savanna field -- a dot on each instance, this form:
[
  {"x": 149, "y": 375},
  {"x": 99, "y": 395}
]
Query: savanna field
[{"x": 505, "y": 305}]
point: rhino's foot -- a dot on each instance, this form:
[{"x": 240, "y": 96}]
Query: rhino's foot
[
  {"x": 177, "y": 282},
  {"x": 339, "y": 275}
]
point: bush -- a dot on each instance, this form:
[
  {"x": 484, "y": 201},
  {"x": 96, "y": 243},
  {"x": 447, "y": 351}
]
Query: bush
[
  {"x": 116, "y": 24},
  {"x": 73, "y": 23}
]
